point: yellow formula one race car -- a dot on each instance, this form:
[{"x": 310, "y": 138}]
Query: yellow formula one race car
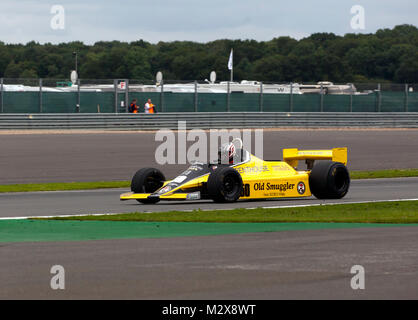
[{"x": 237, "y": 175}]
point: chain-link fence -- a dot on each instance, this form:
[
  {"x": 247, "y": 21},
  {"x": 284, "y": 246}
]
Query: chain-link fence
[{"x": 115, "y": 95}]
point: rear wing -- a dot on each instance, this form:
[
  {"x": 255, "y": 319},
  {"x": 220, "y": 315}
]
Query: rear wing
[{"x": 292, "y": 156}]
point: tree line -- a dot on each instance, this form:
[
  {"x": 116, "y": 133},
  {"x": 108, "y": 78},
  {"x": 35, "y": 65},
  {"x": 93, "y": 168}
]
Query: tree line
[{"x": 389, "y": 55}]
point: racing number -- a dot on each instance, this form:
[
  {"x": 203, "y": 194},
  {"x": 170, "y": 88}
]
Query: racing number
[{"x": 245, "y": 192}]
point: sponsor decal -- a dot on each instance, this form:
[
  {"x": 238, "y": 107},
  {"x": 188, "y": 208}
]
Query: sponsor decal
[
  {"x": 311, "y": 153},
  {"x": 166, "y": 189},
  {"x": 281, "y": 167},
  {"x": 301, "y": 188},
  {"x": 252, "y": 169},
  {"x": 193, "y": 196},
  {"x": 283, "y": 187},
  {"x": 179, "y": 179},
  {"x": 275, "y": 194}
]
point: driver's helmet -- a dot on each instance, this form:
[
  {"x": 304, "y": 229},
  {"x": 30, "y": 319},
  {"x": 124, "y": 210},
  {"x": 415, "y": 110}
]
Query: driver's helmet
[{"x": 227, "y": 153}]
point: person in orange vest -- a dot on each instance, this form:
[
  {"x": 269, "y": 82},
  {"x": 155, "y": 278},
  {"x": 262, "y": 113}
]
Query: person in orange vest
[
  {"x": 133, "y": 108},
  {"x": 149, "y": 107}
]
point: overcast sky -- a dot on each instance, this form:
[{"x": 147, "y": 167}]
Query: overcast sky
[{"x": 169, "y": 20}]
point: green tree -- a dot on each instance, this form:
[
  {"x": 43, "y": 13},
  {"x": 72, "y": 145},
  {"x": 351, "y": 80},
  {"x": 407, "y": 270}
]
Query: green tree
[
  {"x": 93, "y": 67},
  {"x": 408, "y": 69},
  {"x": 270, "y": 68},
  {"x": 244, "y": 70},
  {"x": 13, "y": 70},
  {"x": 137, "y": 64},
  {"x": 387, "y": 55},
  {"x": 28, "y": 74}
]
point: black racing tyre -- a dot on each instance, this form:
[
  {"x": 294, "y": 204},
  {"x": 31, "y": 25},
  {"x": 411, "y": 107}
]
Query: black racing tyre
[
  {"x": 224, "y": 185},
  {"x": 329, "y": 180},
  {"x": 147, "y": 180}
]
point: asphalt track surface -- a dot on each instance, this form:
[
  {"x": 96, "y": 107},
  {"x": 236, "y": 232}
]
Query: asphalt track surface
[
  {"x": 37, "y": 158},
  {"x": 309, "y": 264},
  {"x": 107, "y": 201}
]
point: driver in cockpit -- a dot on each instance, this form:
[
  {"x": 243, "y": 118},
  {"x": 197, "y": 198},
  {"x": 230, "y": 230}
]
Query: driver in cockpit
[
  {"x": 232, "y": 153},
  {"x": 227, "y": 153}
]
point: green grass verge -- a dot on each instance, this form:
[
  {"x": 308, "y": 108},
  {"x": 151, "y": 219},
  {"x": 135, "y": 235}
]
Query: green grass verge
[
  {"x": 63, "y": 186},
  {"x": 382, "y": 212},
  {"x": 378, "y": 174},
  {"x": 125, "y": 184}
]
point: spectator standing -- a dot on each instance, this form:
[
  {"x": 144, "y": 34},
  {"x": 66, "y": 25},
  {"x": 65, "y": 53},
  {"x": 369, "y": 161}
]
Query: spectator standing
[
  {"x": 149, "y": 107},
  {"x": 133, "y": 107}
]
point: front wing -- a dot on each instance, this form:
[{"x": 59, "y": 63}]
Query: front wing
[{"x": 174, "y": 196}]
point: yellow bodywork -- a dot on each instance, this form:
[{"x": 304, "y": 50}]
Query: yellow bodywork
[
  {"x": 292, "y": 156},
  {"x": 262, "y": 179},
  {"x": 170, "y": 196}
]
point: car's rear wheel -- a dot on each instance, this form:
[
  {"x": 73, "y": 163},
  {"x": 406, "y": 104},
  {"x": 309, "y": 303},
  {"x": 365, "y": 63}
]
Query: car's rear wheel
[
  {"x": 147, "y": 180},
  {"x": 224, "y": 185},
  {"x": 329, "y": 180}
]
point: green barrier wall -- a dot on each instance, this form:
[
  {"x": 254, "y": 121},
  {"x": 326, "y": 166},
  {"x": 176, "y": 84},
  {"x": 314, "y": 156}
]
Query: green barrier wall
[
  {"x": 249, "y": 102},
  {"x": 21, "y": 102},
  {"x": 413, "y": 102},
  {"x": 91, "y": 102},
  {"x": 306, "y": 103},
  {"x": 336, "y": 103},
  {"x": 365, "y": 103},
  {"x": 175, "y": 102},
  {"x": 59, "y": 102},
  {"x": 276, "y": 102},
  {"x": 210, "y": 102},
  {"x": 392, "y": 102}
]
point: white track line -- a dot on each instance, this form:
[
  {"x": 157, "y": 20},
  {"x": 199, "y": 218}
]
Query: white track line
[
  {"x": 59, "y": 216},
  {"x": 64, "y": 191},
  {"x": 335, "y": 203},
  {"x": 273, "y": 207}
]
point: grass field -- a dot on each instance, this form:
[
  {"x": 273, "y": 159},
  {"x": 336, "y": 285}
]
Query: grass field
[
  {"x": 378, "y": 174},
  {"x": 398, "y": 173},
  {"x": 401, "y": 212}
]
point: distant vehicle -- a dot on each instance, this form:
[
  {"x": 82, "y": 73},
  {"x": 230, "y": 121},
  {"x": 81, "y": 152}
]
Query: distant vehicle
[
  {"x": 239, "y": 175},
  {"x": 244, "y": 86},
  {"x": 330, "y": 88}
]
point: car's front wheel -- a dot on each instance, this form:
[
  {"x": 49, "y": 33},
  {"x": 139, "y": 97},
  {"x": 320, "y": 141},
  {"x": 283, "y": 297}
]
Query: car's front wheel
[
  {"x": 147, "y": 180},
  {"x": 224, "y": 185},
  {"x": 329, "y": 180}
]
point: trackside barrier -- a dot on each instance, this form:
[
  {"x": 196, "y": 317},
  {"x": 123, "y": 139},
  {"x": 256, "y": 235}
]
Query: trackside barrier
[
  {"x": 227, "y": 120},
  {"x": 114, "y": 95}
]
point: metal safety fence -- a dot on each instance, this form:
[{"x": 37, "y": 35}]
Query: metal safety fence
[
  {"x": 115, "y": 95},
  {"x": 218, "y": 120}
]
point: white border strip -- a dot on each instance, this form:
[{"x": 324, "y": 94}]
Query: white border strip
[
  {"x": 59, "y": 216},
  {"x": 335, "y": 203},
  {"x": 273, "y": 207}
]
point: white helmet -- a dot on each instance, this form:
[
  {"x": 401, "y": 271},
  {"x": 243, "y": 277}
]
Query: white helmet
[{"x": 229, "y": 150}]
